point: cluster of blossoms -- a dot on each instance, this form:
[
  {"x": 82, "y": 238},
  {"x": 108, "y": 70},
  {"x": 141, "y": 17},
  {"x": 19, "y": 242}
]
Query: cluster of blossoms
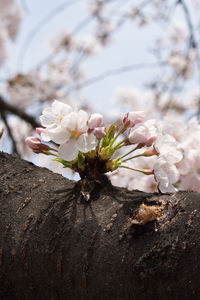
[
  {"x": 187, "y": 135},
  {"x": 91, "y": 149},
  {"x": 10, "y": 18}
]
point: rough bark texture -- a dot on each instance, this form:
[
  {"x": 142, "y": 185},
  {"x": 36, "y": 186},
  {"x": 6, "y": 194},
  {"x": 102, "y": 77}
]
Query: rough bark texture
[{"x": 55, "y": 245}]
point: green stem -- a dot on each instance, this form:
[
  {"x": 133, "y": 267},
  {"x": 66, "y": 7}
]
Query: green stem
[
  {"x": 119, "y": 145},
  {"x": 146, "y": 172},
  {"x": 128, "y": 152},
  {"x": 135, "y": 156},
  {"x": 120, "y": 131}
]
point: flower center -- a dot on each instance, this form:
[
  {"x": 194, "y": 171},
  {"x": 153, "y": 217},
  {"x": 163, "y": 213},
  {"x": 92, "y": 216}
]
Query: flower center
[
  {"x": 59, "y": 117},
  {"x": 76, "y": 133}
]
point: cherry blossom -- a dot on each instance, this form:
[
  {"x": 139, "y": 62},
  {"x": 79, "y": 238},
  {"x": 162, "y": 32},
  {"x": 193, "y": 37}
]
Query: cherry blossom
[
  {"x": 10, "y": 18},
  {"x": 67, "y": 128},
  {"x": 87, "y": 45},
  {"x": 51, "y": 119},
  {"x": 133, "y": 118},
  {"x": 81, "y": 137},
  {"x": 166, "y": 174},
  {"x": 143, "y": 132},
  {"x": 95, "y": 120},
  {"x": 166, "y": 145},
  {"x": 99, "y": 132}
]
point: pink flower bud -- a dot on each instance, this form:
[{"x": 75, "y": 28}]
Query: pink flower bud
[
  {"x": 95, "y": 120},
  {"x": 99, "y": 132},
  {"x": 35, "y": 144},
  {"x": 139, "y": 135},
  {"x": 39, "y": 130},
  {"x": 132, "y": 118},
  {"x": 144, "y": 133},
  {"x": 150, "y": 141}
]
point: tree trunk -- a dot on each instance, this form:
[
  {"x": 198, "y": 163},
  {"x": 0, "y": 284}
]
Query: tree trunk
[{"x": 56, "y": 245}]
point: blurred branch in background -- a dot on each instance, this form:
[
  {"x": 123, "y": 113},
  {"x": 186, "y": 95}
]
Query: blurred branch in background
[
  {"x": 25, "y": 6},
  {"x": 153, "y": 45},
  {"x": 7, "y": 108}
]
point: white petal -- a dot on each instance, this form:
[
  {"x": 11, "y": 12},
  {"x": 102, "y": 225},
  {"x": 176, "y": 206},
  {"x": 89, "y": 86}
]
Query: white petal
[
  {"x": 57, "y": 134},
  {"x": 45, "y": 136},
  {"x": 167, "y": 189},
  {"x": 68, "y": 151},
  {"x": 61, "y": 108},
  {"x": 173, "y": 174},
  {"x": 166, "y": 174},
  {"x": 139, "y": 135},
  {"x": 82, "y": 118},
  {"x": 47, "y": 111},
  {"x": 47, "y": 119},
  {"x": 70, "y": 121},
  {"x": 86, "y": 142},
  {"x": 95, "y": 120}
]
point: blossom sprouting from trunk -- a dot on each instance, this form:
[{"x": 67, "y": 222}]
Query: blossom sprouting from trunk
[{"x": 85, "y": 146}]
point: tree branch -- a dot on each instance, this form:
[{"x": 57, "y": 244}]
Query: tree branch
[{"x": 7, "y": 107}]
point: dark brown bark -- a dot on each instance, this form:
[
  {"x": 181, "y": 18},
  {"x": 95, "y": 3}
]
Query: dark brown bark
[{"x": 55, "y": 245}]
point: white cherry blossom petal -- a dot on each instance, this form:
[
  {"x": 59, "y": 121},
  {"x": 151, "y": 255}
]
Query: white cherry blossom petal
[
  {"x": 68, "y": 151},
  {"x": 95, "y": 120},
  {"x": 69, "y": 122},
  {"x": 57, "y": 134},
  {"x": 61, "y": 108},
  {"x": 166, "y": 145},
  {"x": 55, "y": 113},
  {"x": 82, "y": 118},
  {"x": 86, "y": 142},
  {"x": 45, "y": 136},
  {"x": 166, "y": 174},
  {"x": 142, "y": 132},
  {"x": 47, "y": 119}
]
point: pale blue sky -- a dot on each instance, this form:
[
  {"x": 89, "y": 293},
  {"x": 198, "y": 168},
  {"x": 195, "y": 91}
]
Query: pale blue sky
[{"x": 129, "y": 47}]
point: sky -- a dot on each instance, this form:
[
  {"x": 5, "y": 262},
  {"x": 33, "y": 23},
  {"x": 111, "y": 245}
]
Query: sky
[{"x": 129, "y": 46}]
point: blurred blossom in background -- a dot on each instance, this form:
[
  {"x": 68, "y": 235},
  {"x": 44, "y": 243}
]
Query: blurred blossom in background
[{"x": 105, "y": 56}]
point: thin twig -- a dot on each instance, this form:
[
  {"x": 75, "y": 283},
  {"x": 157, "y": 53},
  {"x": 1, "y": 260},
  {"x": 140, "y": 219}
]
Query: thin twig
[
  {"x": 82, "y": 24},
  {"x": 193, "y": 41},
  {"x": 189, "y": 23},
  {"x": 118, "y": 71},
  {"x": 25, "y": 6}
]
